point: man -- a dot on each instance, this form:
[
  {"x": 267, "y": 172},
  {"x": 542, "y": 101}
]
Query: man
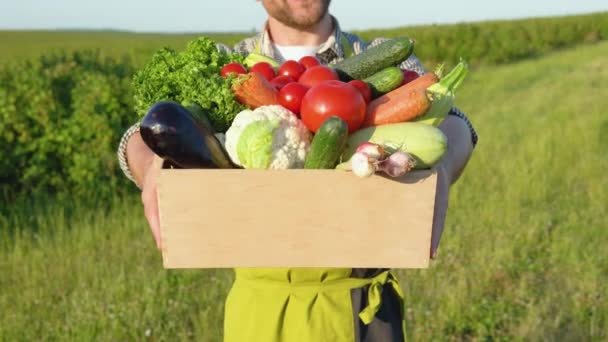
[{"x": 340, "y": 304}]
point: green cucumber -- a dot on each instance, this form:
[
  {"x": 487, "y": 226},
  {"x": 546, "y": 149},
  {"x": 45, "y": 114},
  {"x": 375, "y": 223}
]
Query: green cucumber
[
  {"x": 374, "y": 59},
  {"x": 327, "y": 144},
  {"x": 384, "y": 81}
]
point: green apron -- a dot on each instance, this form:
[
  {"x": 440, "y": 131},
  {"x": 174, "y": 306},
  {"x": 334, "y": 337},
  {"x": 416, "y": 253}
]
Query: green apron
[{"x": 299, "y": 304}]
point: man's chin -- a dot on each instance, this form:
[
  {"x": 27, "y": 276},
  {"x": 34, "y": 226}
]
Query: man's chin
[{"x": 302, "y": 25}]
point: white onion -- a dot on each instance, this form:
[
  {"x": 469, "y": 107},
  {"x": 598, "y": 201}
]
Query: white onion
[
  {"x": 397, "y": 164},
  {"x": 374, "y": 151},
  {"x": 362, "y": 165}
]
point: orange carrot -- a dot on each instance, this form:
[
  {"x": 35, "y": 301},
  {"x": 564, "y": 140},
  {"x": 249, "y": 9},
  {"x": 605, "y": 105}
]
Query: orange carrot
[
  {"x": 400, "y": 105},
  {"x": 253, "y": 90},
  {"x": 423, "y": 81}
]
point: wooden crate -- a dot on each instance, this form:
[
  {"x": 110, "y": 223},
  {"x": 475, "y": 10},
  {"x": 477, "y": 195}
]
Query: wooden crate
[{"x": 295, "y": 218}]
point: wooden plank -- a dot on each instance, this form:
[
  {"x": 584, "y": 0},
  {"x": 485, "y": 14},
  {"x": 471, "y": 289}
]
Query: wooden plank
[{"x": 295, "y": 218}]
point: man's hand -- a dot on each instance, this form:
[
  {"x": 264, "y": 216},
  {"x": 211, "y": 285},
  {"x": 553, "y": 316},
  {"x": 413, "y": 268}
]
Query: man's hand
[
  {"x": 150, "y": 200},
  {"x": 145, "y": 167}
]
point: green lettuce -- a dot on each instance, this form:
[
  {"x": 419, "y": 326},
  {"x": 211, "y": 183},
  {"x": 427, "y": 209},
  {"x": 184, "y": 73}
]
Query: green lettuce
[{"x": 190, "y": 76}]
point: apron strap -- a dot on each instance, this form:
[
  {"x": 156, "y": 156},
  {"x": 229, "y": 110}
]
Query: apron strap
[
  {"x": 375, "y": 295},
  {"x": 375, "y": 298}
]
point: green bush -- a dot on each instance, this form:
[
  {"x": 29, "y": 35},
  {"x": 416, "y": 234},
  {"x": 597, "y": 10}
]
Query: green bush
[
  {"x": 499, "y": 42},
  {"x": 61, "y": 117}
]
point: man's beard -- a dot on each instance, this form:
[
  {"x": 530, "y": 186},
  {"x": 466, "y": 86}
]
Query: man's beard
[{"x": 284, "y": 15}]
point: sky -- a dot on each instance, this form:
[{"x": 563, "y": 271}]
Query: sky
[{"x": 248, "y": 15}]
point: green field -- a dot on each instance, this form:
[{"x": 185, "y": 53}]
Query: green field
[
  {"x": 138, "y": 46},
  {"x": 522, "y": 258}
]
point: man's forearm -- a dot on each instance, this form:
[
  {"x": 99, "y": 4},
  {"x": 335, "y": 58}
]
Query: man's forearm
[
  {"x": 449, "y": 169},
  {"x": 460, "y": 147}
]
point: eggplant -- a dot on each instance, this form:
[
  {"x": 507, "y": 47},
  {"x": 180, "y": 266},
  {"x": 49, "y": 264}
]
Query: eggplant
[
  {"x": 199, "y": 115},
  {"x": 171, "y": 131}
]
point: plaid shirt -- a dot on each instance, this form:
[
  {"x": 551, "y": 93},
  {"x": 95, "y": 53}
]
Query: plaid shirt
[{"x": 333, "y": 50}]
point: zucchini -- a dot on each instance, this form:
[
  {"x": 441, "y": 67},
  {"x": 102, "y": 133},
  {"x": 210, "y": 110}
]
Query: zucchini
[
  {"x": 384, "y": 81},
  {"x": 443, "y": 95},
  {"x": 440, "y": 107},
  {"x": 426, "y": 143},
  {"x": 327, "y": 144},
  {"x": 372, "y": 60},
  {"x": 253, "y": 58}
]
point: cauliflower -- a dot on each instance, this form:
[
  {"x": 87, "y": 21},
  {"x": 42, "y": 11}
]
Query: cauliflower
[{"x": 269, "y": 137}]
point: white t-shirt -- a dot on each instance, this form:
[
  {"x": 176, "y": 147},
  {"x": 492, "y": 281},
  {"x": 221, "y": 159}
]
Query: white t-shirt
[{"x": 295, "y": 52}]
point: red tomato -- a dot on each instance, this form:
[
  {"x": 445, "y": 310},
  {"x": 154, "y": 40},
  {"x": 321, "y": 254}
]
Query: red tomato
[
  {"x": 291, "y": 95},
  {"x": 233, "y": 67},
  {"x": 281, "y": 81},
  {"x": 409, "y": 76},
  {"x": 265, "y": 69},
  {"x": 291, "y": 68},
  {"x": 309, "y": 61},
  {"x": 363, "y": 88},
  {"x": 317, "y": 74},
  {"x": 331, "y": 98}
]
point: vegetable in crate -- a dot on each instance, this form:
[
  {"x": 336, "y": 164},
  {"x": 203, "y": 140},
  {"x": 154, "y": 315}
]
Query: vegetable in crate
[
  {"x": 173, "y": 134},
  {"x": 309, "y": 61},
  {"x": 363, "y": 88},
  {"x": 327, "y": 145},
  {"x": 269, "y": 137},
  {"x": 364, "y": 162},
  {"x": 427, "y": 144},
  {"x": 253, "y": 91},
  {"x": 265, "y": 69},
  {"x": 370, "y": 61},
  {"x": 254, "y": 58},
  {"x": 370, "y": 158},
  {"x": 192, "y": 75},
  {"x": 443, "y": 96},
  {"x": 401, "y": 104},
  {"x": 426, "y": 98},
  {"x": 397, "y": 164},
  {"x": 384, "y": 81},
  {"x": 333, "y": 98},
  {"x": 291, "y": 95},
  {"x": 233, "y": 68},
  {"x": 317, "y": 74}
]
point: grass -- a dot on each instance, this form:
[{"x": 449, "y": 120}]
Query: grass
[
  {"x": 522, "y": 258},
  {"x": 73, "y": 273}
]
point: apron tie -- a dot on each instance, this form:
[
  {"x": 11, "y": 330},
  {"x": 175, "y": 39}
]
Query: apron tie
[{"x": 374, "y": 295}]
